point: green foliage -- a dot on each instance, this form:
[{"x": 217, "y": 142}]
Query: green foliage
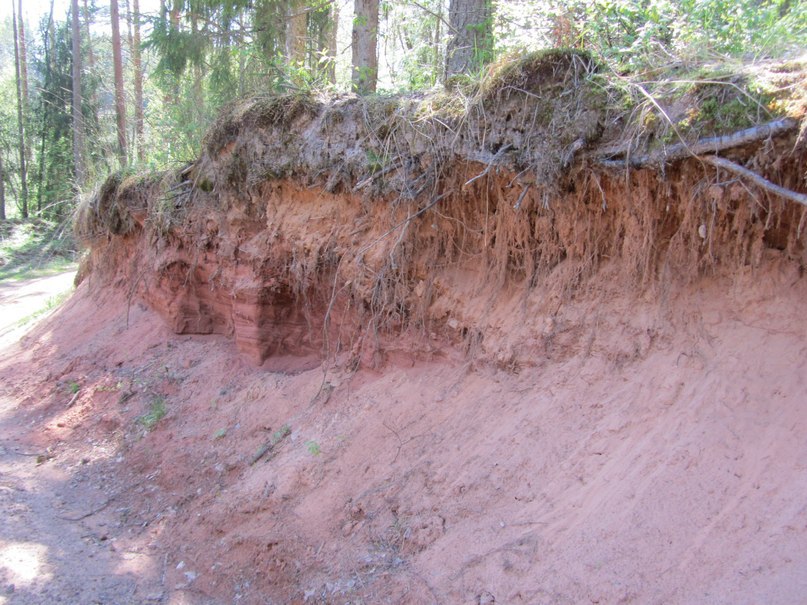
[
  {"x": 313, "y": 448},
  {"x": 34, "y": 248},
  {"x": 280, "y": 434},
  {"x": 418, "y": 27},
  {"x": 636, "y": 33},
  {"x": 181, "y": 115},
  {"x": 375, "y": 162},
  {"x": 49, "y": 126},
  {"x": 741, "y": 27},
  {"x": 52, "y": 122},
  {"x": 8, "y": 137},
  {"x": 157, "y": 411},
  {"x": 483, "y": 42},
  {"x": 727, "y": 113}
]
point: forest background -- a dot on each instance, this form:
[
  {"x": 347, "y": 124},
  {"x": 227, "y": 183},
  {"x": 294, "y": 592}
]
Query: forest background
[{"x": 89, "y": 87}]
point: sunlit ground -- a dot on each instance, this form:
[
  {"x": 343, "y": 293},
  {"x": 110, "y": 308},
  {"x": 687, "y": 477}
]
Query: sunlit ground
[{"x": 23, "y": 563}]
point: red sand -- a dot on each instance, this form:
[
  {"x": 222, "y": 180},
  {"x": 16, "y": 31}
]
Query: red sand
[{"x": 664, "y": 467}]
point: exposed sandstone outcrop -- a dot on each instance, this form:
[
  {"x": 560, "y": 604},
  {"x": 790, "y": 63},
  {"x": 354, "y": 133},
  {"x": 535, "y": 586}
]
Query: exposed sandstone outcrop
[{"x": 336, "y": 225}]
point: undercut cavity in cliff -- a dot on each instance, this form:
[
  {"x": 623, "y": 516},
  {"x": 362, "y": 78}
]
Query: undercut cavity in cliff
[{"x": 356, "y": 225}]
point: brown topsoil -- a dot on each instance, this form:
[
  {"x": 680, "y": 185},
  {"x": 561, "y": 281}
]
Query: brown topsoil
[{"x": 592, "y": 390}]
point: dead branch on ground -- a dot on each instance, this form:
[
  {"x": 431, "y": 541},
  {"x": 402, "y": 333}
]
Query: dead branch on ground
[
  {"x": 610, "y": 157},
  {"x": 764, "y": 183}
]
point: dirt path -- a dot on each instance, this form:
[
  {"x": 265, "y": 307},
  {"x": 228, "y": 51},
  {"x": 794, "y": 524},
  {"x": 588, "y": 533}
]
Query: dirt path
[
  {"x": 49, "y": 551},
  {"x": 56, "y": 545},
  {"x": 21, "y": 299}
]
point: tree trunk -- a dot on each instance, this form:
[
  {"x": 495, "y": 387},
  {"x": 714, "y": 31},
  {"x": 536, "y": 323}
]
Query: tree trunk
[
  {"x": 78, "y": 118},
  {"x": 23, "y": 201},
  {"x": 242, "y": 61},
  {"x": 172, "y": 97},
  {"x": 26, "y": 103},
  {"x": 23, "y": 61},
  {"x": 296, "y": 32},
  {"x": 332, "y": 37},
  {"x": 90, "y": 53},
  {"x": 471, "y": 36},
  {"x": 198, "y": 79},
  {"x": 120, "y": 99},
  {"x": 437, "y": 42},
  {"x": 138, "y": 85},
  {"x": 48, "y": 44},
  {"x": 129, "y": 35},
  {"x": 2, "y": 190},
  {"x": 365, "y": 42}
]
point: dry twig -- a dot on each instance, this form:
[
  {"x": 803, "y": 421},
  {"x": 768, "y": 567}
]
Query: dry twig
[
  {"x": 682, "y": 151},
  {"x": 764, "y": 183}
]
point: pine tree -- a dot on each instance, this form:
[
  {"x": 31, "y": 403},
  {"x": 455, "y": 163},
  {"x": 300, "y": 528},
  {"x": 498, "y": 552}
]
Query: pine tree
[
  {"x": 330, "y": 42},
  {"x": 23, "y": 61},
  {"x": 471, "y": 43},
  {"x": 78, "y": 121},
  {"x": 54, "y": 117},
  {"x": 120, "y": 99},
  {"x": 90, "y": 53},
  {"x": 296, "y": 26},
  {"x": 2, "y": 190},
  {"x": 365, "y": 43},
  {"x": 138, "y": 84},
  {"x": 23, "y": 201}
]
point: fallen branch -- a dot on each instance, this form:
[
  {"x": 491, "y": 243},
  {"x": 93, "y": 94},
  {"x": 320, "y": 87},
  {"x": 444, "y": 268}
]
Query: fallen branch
[
  {"x": 378, "y": 174},
  {"x": 182, "y": 185},
  {"x": 521, "y": 197},
  {"x": 764, "y": 183},
  {"x": 89, "y": 514},
  {"x": 187, "y": 170},
  {"x": 568, "y": 156},
  {"x": 683, "y": 150},
  {"x": 490, "y": 164},
  {"x": 269, "y": 445}
]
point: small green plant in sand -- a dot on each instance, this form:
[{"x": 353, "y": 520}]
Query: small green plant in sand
[
  {"x": 157, "y": 411},
  {"x": 313, "y": 448},
  {"x": 280, "y": 434}
]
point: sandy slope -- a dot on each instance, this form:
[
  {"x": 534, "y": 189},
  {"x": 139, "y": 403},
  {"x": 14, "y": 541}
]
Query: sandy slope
[
  {"x": 46, "y": 554},
  {"x": 672, "y": 475}
]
